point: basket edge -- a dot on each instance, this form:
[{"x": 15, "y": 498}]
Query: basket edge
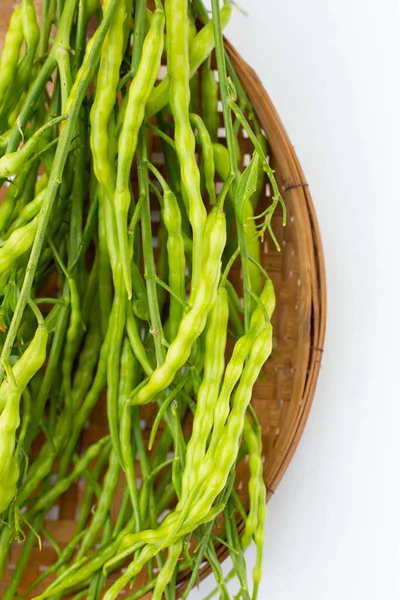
[{"x": 268, "y": 115}]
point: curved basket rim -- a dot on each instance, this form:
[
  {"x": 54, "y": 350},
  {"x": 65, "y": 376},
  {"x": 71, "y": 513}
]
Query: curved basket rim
[{"x": 277, "y": 135}]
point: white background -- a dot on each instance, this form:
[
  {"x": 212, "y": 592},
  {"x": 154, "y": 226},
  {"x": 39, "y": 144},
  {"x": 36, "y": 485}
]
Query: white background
[{"x": 332, "y": 68}]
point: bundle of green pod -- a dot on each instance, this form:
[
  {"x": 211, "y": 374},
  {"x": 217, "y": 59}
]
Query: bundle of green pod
[{"x": 93, "y": 300}]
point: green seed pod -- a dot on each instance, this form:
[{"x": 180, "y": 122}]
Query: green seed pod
[{"x": 195, "y": 320}]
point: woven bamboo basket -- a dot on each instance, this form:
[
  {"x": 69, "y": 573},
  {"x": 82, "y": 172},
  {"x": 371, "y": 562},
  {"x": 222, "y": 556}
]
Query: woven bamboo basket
[{"x": 282, "y": 398}]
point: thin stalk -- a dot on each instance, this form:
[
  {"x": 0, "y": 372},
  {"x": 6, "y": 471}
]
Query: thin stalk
[
  {"x": 230, "y": 138},
  {"x": 45, "y": 72},
  {"x": 60, "y": 4},
  {"x": 277, "y": 198},
  {"x": 146, "y": 474},
  {"x": 166, "y": 287},
  {"x": 221, "y": 65},
  {"x": 229, "y": 265},
  {"x": 120, "y": 522},
  {"x": 51, "y": 370},
  {"x": 243, "y": 98},
  {"x": 48, "y": 9},
  {"x": 81, "y": 27},
  {"x": 237, "y": 557},
  {"x": 23, "y": 560},
  {"x": 148, "y": 256},
  {"x": 84, "y": 512},
  {"x": 217, "y": 570},
  {"x": 161, "y": 134},
  {"x": 222, "y": 499},
  {"x": 147, "y": 237},
  {"x": 78, "y": 191}
]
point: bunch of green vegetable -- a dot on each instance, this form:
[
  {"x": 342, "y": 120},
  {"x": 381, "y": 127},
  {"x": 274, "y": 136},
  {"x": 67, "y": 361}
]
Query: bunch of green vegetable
[{"x": 94, "y": 298}]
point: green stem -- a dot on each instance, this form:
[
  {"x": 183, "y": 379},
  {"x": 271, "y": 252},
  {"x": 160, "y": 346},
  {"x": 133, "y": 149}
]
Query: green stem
[
  {"x": 22, "y": 561},
  {"x": 78, "y": 192},
  {"x": 81, "y": 27},
  {"x": 230, "y": 138},
  {"x": 221, "y": 65},
  {"x": 150, "y": 269},
  {"x": 243, "y": 98},
  {"x": 161, "y": 134},
  {"x": 277, "y": 198},
  {"x": 166, "y": 287},
  {"x": 48, "y": 8},
  {"x": 45, "y": 73},
  {"x": 229, "y": 265}
]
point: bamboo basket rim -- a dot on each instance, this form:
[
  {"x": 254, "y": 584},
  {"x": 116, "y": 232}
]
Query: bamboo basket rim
[{"x": 300, "y": 190}]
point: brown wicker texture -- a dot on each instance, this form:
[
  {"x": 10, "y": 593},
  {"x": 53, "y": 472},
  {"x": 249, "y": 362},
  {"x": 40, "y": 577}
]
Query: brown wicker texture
[{"x": 282, "y": 399}]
